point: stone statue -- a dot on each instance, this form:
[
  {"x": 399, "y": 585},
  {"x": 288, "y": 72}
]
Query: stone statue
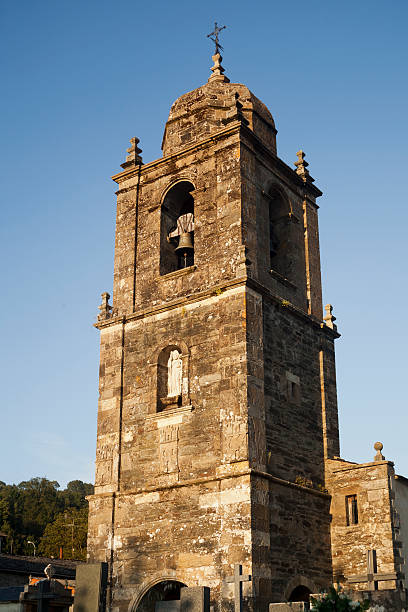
[{"x": 174, "y": 374}]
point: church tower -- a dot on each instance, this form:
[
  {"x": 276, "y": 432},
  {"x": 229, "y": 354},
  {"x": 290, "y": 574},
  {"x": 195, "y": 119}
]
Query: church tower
[{"x": 217, "y": 404}]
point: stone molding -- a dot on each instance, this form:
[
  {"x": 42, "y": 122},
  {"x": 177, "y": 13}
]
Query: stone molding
[
  {"x": 227, "y": 476},
  {"x": 250, "y": 283},
  {"x": 356, "y": 466},
  {"x": 282, "y": 279},
  {"x": 157, "y": 416},
  {"x": 235, "y": 128},
  {"x": 176, "y": 273}
]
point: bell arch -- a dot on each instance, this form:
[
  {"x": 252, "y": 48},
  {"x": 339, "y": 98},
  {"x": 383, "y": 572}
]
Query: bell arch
[
  {"x": 280, "y": 222},
  {"x": 177, "y": 227}
]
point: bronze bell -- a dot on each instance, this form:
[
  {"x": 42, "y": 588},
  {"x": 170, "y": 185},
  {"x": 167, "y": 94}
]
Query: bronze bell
[{"x": 185, "y": 242}]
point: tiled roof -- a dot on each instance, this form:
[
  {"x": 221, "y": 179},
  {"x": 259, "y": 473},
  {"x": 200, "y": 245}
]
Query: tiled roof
[{"x": 35, "y": 566}]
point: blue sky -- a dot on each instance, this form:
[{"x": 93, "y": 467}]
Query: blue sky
[{"x": 81, "y": 78}]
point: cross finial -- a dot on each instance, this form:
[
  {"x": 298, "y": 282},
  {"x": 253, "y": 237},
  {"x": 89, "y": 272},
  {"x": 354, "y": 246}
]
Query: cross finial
[
  {"x": 215, "y": 40},
  {"x": 217, "y": 70}
]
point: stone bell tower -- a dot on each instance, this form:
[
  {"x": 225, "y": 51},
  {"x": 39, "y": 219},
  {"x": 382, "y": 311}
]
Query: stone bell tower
[{"x": 217, "y": 384}]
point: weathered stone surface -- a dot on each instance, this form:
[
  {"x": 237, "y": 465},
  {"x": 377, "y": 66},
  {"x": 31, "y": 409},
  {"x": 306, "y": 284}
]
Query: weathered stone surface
[
  {"x": 195, "y": 599},
  {"x": 189, "y": 491},
  {"x": 290, "y": 606},
  {"x": 377, "y": 528},
  {"x": 233, "y": 468},
  {"x": 90, "y": 587}
]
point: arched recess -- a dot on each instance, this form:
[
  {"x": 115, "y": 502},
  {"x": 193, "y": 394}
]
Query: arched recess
[
  {"x": 300, "y": 586},
  {"x": 280, "y": 229},
  {"x": 164, "y": 589},
  {"x": 171, "y": 364},
  {"x": 177, "y": 228},
  {"x": 300, "y": 593}
]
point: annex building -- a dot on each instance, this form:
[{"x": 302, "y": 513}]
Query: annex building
[{"x": 218, "y": 440}]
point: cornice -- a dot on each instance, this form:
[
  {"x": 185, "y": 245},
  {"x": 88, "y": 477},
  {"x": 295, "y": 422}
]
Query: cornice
[
  {"x": 218, "y": 290},
  {"x": 216, "y": 478},
  {"x": 232, "y": 129},
  {"x": 280, "y": 165},
  {"x": 236, "y": 127}
]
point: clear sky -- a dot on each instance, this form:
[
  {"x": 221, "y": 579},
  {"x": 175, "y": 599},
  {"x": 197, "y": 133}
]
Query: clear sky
[{"x": 79, "y": 78}]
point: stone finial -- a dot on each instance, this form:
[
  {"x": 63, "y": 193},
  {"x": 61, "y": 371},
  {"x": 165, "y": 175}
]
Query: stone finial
[
  {"x": 105, "y": 308},
  {"x": 329, "y": 318},
  {"x": 217, "y": 70},
  {"x": 133, "y": 158},
  {"x": 378, "y": 446},
  {"x": 301, "y": 167}
]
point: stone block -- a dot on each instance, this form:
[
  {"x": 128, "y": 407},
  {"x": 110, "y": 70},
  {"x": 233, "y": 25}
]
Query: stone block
[
  {"x": 167, "y": 606},
  {"x": 90, "y": 587},
  {"x": 290, "y": 606},
  {"x": 195, "y": 599}
]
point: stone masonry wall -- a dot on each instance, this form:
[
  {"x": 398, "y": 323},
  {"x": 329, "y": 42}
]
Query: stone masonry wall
[
  {"x": 186, "y": 493},
  {"x": 377, "y": 528},
  {"x": 293, "y": 395},
  {"x": 217, "y": 233},
  {"x": 191, "y": 534},
  {"x": 300, "y": 539},
  {"x": 401, "y": 507}
]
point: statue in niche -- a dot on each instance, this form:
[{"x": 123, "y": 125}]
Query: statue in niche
[{"x": 174, "y": 374}]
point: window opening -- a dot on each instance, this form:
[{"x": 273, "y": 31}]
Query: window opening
[
  {"x": 280, "y": 221},
  {"x": 351, "y": 510},
  {"x": 177, "y": 228}
]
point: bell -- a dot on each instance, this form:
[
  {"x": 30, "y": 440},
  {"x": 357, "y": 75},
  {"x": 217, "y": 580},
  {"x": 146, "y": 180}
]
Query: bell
[{"x": 185, "y": 243}]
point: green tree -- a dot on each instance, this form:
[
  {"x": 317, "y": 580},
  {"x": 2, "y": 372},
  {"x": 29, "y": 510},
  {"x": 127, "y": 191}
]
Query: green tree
[
  {"x": 75, "y": 493},
  {"x": 69, "y": 531},
  {"x": 39, "y": 504},
  {"x": 28, "y": 508}
]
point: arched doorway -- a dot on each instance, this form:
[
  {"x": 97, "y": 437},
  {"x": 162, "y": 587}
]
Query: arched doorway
[
  {"x": 167, "y": 590},
  {"x": 300, "y": 593}
]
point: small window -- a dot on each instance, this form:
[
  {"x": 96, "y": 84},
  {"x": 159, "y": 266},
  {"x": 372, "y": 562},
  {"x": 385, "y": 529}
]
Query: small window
[
  {"x": 293, "y": 388},
  {"x": 351, "y": 510}
]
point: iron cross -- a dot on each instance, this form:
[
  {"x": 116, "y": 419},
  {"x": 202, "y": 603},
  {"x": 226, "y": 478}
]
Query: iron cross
[
  {"x": 215, "y": 40},
  {"x": 238, "y": 579}
]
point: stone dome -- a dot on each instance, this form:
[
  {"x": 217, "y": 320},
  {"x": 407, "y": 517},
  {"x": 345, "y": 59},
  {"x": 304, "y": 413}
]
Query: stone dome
[{"x": 209, "y": 109}]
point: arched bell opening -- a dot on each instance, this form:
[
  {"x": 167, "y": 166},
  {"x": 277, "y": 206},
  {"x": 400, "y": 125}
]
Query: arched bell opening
[
  {"x": 167, "y": 590},
  {"x": 280, "y": 233},
  {"x": 300, "y": 593},
  {"x": 177, "y": 228}
]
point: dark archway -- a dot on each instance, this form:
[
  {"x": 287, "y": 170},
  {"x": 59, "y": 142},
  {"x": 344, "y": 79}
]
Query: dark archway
[
  {"x": 167, "y": 590},
  {"x": 176, "y": 228},
  {"x": 280, "y": 230},
  {"x": 300, "y": 593}
]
